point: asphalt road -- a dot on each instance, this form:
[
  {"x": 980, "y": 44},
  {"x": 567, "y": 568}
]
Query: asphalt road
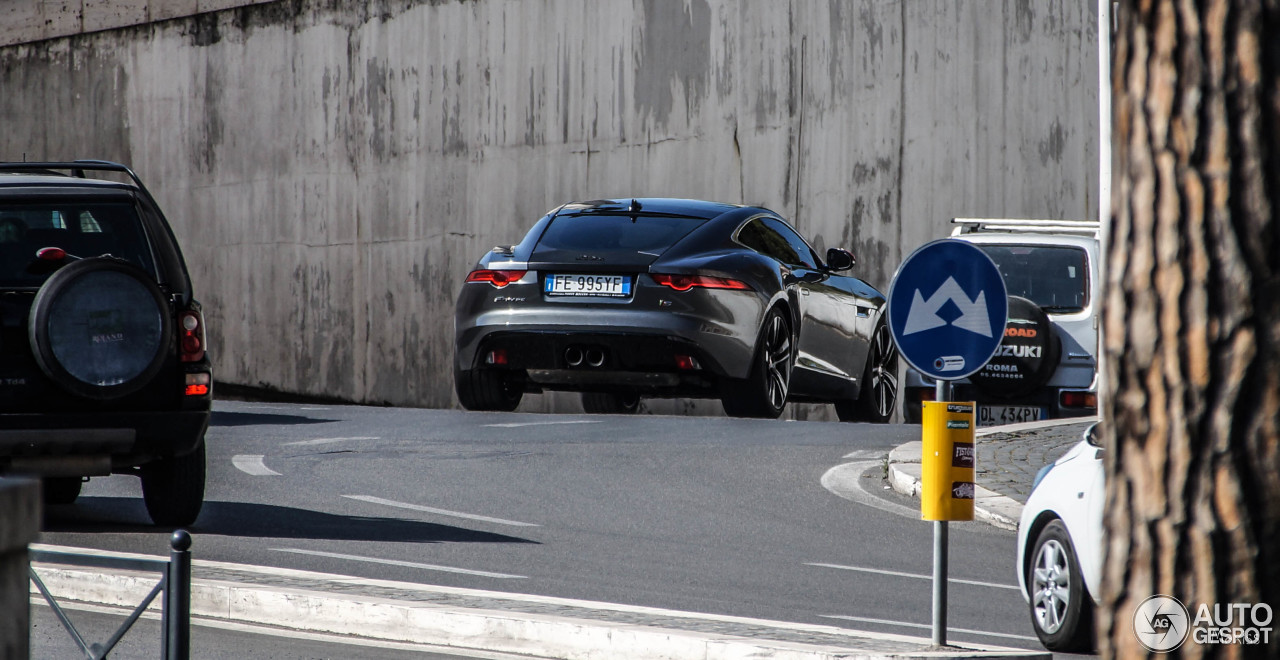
[{"x": 713, "y": 515}]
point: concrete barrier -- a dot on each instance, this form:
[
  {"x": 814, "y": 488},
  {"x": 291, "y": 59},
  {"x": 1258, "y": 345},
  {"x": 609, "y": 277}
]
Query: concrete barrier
[{"x": 334, "y": 169}]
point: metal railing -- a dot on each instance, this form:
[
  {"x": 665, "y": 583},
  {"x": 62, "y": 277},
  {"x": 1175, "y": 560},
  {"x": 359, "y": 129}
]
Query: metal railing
[{"x": 175, "y": 583}]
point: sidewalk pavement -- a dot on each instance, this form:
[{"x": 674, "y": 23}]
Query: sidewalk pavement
[
  {"x": 545, "y": 627},
  {"x": 1008, "y": 459}
]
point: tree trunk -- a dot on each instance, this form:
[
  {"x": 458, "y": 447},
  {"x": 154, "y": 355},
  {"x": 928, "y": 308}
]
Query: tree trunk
[{"x": 1192, "y": 317}]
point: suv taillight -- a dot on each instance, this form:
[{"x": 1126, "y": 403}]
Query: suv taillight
[
  {"x": 1078, "y": 400},
  {"x": 190, "y": 336}
]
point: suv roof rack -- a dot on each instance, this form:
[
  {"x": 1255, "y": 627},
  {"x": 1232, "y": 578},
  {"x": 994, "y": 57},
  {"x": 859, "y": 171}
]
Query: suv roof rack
[
  {"x": 77, "y": 168},
  {"x": 1011, "y": 225}
]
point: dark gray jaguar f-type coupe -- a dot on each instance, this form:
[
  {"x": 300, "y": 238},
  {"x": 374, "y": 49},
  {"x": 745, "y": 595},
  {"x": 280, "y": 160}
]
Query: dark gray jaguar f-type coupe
[{"x": 623, "y": 299}]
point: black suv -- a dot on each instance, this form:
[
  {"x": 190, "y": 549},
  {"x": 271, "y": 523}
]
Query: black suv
[{"x": 102, "y": 349}]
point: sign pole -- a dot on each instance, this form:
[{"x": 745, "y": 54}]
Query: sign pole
[
  {"x": 940, "y": 582},
  {"x": 948, "y": 308},
  {"x": 942, "y": 392}
]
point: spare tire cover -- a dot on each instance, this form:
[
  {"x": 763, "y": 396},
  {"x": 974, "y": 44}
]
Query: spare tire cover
[
  {"x": 1026, "y": 357},
  {"x": 100, "y": 328}
]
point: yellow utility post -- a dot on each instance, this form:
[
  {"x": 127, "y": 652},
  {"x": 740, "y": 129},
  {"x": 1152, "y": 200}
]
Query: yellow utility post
[{"x": 948, "y": 461}]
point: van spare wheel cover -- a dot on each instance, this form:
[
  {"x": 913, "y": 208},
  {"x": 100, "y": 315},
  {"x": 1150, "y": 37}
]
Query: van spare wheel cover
[
  {"x": 100, "y": 328},
  {"x": 1026, "y": 357}
]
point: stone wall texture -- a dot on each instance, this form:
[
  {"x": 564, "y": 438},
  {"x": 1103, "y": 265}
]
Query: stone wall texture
[{"x": 333, "y": 169}]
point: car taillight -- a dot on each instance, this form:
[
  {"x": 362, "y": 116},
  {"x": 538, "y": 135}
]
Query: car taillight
[
  {"x": 1078, "y": 399},
  {"x": 686, "y": 282},
  {"x": 498, "y": 278},
  {"x": 190, "y": 336},
  {"x": 198, "y": 384},
  {"x": 687, "y": 363}
]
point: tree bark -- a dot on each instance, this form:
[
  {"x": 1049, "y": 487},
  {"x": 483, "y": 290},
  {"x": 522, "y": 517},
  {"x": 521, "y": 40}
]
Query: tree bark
[{"x": 1192, "y": 316}]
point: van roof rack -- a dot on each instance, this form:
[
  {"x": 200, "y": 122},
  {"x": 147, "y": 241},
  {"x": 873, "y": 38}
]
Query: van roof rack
[
  {"x": 77, "y": 168},
  {"x": 1012, "y": 225}
]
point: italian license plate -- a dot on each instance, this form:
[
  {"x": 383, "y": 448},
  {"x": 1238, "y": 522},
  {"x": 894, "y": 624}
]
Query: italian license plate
[
  {"x": 998, "y": 415},
  {"x": 610, "y": 286}
]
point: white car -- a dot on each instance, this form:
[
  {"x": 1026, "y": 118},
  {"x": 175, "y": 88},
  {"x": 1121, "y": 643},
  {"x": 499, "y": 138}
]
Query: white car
[{"x": 1060, "y": 546}]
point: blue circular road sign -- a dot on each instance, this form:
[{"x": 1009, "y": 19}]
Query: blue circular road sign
[{"x": 947, "y": 309}]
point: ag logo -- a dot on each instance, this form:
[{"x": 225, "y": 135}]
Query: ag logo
[{"x": 1161, "y": 624}]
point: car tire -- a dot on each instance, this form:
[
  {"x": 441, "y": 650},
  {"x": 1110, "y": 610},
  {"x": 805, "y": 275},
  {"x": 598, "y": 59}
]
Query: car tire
[
  {"x": 1060, "y": 605},
  {"x": 610, "y": 403},
  {"x": 486, "y": 389},
  {"x": 60, "y": 490},
  {"x": 173, "y": 488},
  {"x": 763, "y": 394},
  {"x": 879, "y": 392},
  {"x": 100, "y": 328}
]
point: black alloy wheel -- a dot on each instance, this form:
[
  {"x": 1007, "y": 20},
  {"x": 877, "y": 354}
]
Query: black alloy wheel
[
  {"x": 610, "y": 403},
  {"x": 1061, "y": 609},
  {"x": 879, "y": 392},
  {"x": 764, "y": 392}
]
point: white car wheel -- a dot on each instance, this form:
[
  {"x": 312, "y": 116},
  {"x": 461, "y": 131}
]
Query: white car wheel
[{"x": 1060, "y": 606}]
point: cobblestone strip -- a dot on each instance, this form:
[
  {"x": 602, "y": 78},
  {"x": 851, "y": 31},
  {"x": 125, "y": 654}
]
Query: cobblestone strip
[{"x": 1008, "y": 462}]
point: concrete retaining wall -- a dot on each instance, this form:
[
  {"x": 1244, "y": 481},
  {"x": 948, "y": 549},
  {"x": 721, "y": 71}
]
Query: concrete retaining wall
[{"x": 334, "y": 171}]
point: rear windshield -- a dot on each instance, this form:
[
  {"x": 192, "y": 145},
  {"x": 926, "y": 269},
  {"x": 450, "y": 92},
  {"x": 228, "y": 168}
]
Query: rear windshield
[
  {"x": 1053, "y": 277},
  {"x": 83, "y": 229},
  {"x": 651, "y": 234}
]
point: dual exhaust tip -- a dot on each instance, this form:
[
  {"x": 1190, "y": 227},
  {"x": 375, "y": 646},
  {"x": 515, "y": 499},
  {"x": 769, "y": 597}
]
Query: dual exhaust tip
[{"x": 577, "y": 356}]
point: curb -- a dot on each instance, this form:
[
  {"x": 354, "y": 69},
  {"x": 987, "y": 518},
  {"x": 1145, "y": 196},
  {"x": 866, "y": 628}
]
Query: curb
[
  {"x": 364, "y": 608},
  {"x": 989, "y": 506}
]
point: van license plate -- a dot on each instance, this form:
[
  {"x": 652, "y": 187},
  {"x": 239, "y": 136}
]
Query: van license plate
[{"x": 999, "y": 415}]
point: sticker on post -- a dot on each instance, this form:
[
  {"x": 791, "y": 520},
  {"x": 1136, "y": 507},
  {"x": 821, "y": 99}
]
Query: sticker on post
[{"x": 962, "y": 490}]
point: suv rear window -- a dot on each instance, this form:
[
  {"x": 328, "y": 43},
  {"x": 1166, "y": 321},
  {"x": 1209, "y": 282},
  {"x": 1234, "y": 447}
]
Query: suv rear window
[
  {"x": 643, "y": 233},
  {"x": 1053, "y": 277},
  {"x": 82, "y": 229}
]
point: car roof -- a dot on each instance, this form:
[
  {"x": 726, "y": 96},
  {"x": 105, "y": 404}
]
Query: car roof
[
  {"x": 26, "y": 182},
  {"x": 651, "y": 206}
]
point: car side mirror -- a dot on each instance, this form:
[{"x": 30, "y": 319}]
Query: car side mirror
[
  {"x": 839, "y": 259},
  {"x": 1093, "y": 436}
]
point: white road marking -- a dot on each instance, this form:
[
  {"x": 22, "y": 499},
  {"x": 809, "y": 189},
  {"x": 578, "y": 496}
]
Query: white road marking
[
  {"x": 868, "y": 454},
  {"x": 325, "y": 441},
  {"x": 252, "y": 464},
  {"x": 846, "y": 481},
  {"x": 397, "y": 562},
  {"x": 440, "y": 512},
  {"x": 916, "y": 576},
  {"x": 516, "y": 425},
  {"x": 886, "y": 622}
]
